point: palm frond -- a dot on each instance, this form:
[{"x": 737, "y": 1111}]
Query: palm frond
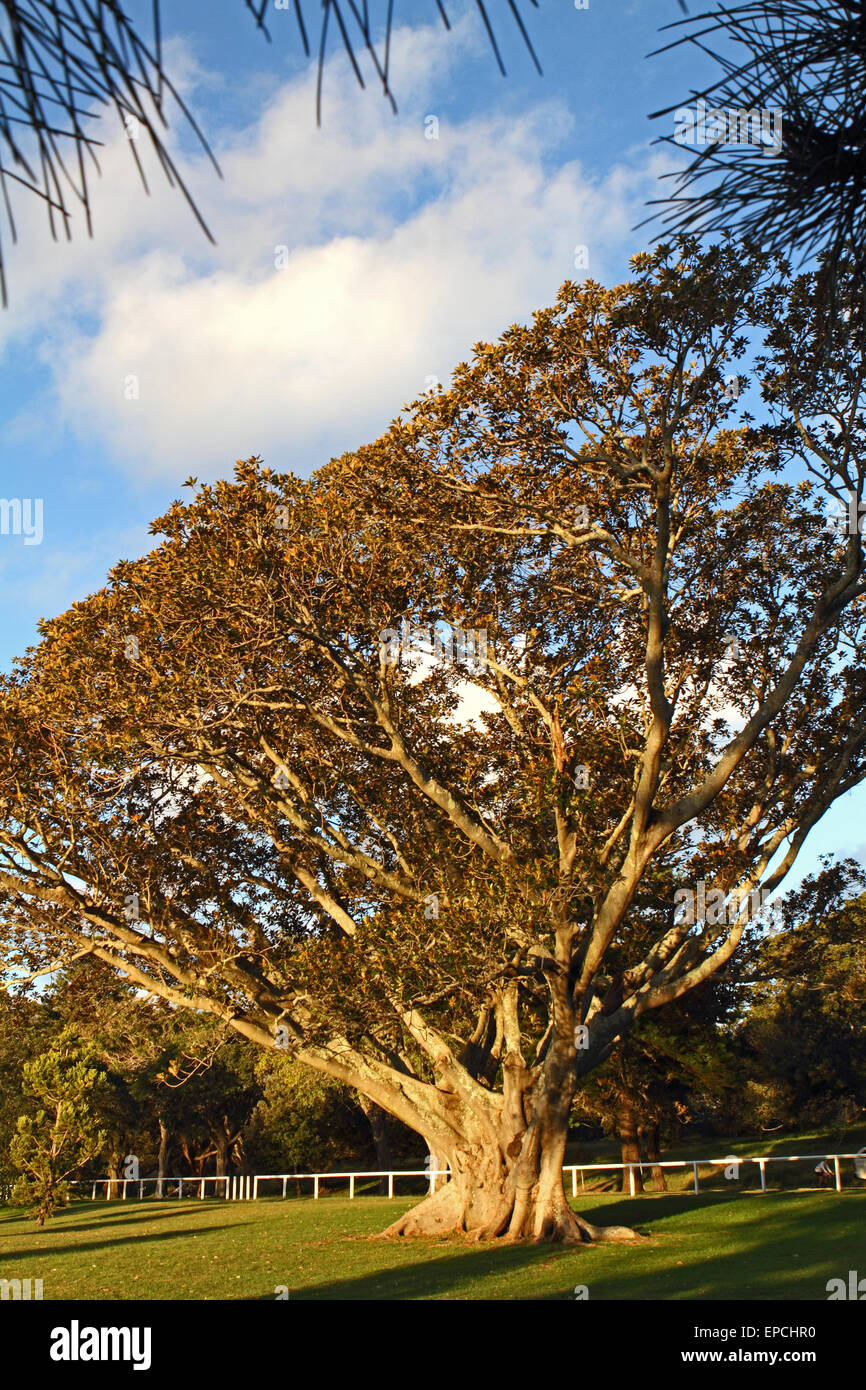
[
  {"x": 806, "y": 60},
  {"x": 64, "y": 62}
]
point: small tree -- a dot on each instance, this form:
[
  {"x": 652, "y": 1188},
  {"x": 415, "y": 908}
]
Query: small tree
[
  {"x": 304, "y": 1121},
  {"x": 62, "y": 1136}
]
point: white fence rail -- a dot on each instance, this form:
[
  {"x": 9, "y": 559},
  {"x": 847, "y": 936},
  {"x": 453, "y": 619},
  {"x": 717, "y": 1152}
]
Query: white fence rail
[
  {"x": 245, "y": 1187},
  {"x": 697, "y": 1164},
  {"x": 240, "y": 1187}
]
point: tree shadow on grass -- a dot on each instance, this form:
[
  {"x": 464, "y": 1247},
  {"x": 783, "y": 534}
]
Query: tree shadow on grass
[
  {"x": 108, "y": 1218},
  {"x": 786, "y": 1253},
  {"x": 781, "y": 1249},
  {"x": 33, "y": 1253},
  {"x": 642, "y": 1212},
  {"x": 427, "y": 1279}
]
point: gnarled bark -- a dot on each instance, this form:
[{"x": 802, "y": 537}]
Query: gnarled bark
[
  {"x": 487, "y": 1198},
  {"x": 506, "y": 1181}
]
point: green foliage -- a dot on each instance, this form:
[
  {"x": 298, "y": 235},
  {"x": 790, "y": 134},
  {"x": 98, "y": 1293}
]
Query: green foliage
[
  {"x": 304, "y": 1122},
  {"x": 61, "y": 1136},
  {"x": 676, "y": 1067},
  {"x": 804, "y": 1034}
]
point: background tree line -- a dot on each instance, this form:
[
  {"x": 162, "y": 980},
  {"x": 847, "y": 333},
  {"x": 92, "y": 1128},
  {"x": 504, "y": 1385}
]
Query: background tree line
[
  {"x": 776, "y": 1042},
  {"x": 177, "y": 1094}
]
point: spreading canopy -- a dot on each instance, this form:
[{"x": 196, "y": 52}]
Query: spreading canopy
[{"x": 455, "y": 878}]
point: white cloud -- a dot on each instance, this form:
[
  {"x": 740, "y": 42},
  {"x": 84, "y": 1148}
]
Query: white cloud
[{"x": 403, "y": 252}]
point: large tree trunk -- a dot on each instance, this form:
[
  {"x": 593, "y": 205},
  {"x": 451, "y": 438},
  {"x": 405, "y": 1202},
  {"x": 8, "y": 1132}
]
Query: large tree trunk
[
  {"x": 505, "y": 1148},
  {"x": 506, "y": 1168},
  {"x": 626, "y": 1124},
  {"x": 652, "y": 1148}
]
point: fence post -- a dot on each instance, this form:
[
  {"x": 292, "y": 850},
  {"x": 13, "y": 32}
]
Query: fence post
[
  {"x": 180, "y": 1187},
  {"x": 201, "y": 1189},
  {"x": 574, "y": 1182},
  {"x": 140, "y": 1191},
  {"x": 838, "y": 1175},
  {"x": 390, "y": 1184},
  {"x": 695, "y": 1166},
  {"x": 256, "y": 1188},
  {"x": 762, "y": 1162},
  {"x": 351, "y": 1185},
  {"x": 631, "y": 1179},
  {"x": 316, "y": 1185},
  {"x": 285, "y": 1180},
  {"x": 93, "y": 1193}
]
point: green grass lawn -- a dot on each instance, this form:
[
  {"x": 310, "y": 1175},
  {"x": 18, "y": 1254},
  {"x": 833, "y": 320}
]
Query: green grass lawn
[{"x": 781, "y": 1246}]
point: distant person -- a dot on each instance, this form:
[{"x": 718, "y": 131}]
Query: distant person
[{"x": 825, "y": 1173}]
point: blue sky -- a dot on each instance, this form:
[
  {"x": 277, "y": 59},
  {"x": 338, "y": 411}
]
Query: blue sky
[{"x": 144, "y": 355}]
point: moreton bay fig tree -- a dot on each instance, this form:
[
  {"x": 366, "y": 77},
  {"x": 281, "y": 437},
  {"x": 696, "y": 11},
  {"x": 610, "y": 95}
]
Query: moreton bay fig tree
[{"x": 400, "y": 768}]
